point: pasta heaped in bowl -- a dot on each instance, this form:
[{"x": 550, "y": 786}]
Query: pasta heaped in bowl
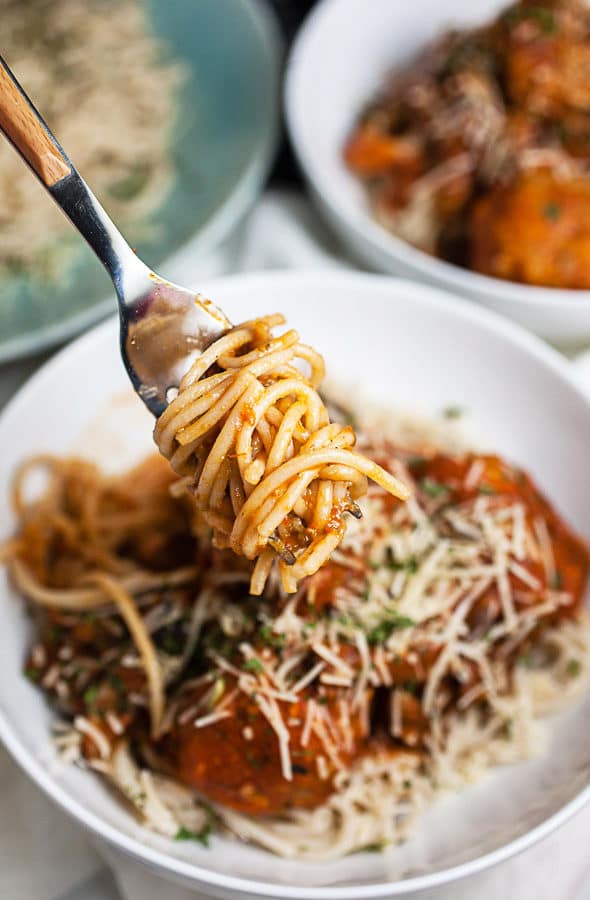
[{"x": 352, "y": 713}]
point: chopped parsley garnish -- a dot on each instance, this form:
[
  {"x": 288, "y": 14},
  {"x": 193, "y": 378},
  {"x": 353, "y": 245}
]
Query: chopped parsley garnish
[
  {"x": 253, "y": 665},
  {"x": 411, "y": 687},
  {"x": 253, "y": 761},
  {"x": 406, "y": 565},
  {"x": 374, "y": 848},
  {"x": 552, "y": 211},
  {"x": 393, "y": 622},
  {"x": 573, "y": 667},
  {"x": 508, "y": 729},
  {"x": 413, "y": 461},
  {"x": 90, "y": 695},
  {"x": 202, "y": 836},
  {"x": 53, "y": 633},
  {"x": 453, "y": 412},
  {"x": 138, "y": 798},
  {"x": 271, "y": 638},
  {"x": 217, "y": 692},
  {"x": 557, "y": 580},
  {"x": 32, "y": 674},
  {"x": 117, "y": 683},
  {"x": 433, "y": 488},
  {"x": 486, "y": 489},
  {"x": 543, "y": 17}
]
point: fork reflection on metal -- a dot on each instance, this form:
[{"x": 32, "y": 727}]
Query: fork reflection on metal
[{"x": 164, "y": 327}]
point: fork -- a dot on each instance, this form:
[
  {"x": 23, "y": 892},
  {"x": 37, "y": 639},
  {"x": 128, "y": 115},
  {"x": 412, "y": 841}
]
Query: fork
[{"x": 163, "y": 327}]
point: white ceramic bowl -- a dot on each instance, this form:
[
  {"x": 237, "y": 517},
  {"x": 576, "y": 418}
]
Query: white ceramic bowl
[
  {"x": 401, "y": 344},
  {"x": 340, "y": 57}
]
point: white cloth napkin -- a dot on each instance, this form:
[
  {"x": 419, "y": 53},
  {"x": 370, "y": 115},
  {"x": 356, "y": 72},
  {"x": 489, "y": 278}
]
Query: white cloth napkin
[{"x": 43, "y": 856}]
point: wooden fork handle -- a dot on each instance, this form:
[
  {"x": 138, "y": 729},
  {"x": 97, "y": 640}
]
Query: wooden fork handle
[{"x": 26, "y": 130}]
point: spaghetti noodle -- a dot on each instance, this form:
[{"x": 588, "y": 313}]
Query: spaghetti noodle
[
  {"x": 254, "y": 443},
  {"x": 316, "y": 723}
]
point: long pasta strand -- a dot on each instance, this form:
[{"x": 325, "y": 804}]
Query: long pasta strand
[{"x": 269, "y": 472}]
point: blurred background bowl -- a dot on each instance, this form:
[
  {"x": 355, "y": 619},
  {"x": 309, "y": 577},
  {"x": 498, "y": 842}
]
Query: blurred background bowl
[
  {"x": 340, "y": 58},
  {"x": 221, "y": 146}
]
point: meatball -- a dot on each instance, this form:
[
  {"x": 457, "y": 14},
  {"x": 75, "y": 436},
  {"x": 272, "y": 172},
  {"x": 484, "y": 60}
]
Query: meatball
[
  {"x": 504, "y": 484},
  {"x": 547, "y": 56},
  {"x": 236, "y": 761},
  {"x": 536, "y": 230}
]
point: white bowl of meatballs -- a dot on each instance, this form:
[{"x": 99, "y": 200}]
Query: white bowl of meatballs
[
  {"x": 451, "y": 143},
  {"x": 499, "y": 762}
]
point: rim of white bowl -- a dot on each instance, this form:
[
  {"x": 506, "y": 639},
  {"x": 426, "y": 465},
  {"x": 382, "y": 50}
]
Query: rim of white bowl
[
  {"x": 364, "y": 226},
  {"x": 428, "y": 296}
]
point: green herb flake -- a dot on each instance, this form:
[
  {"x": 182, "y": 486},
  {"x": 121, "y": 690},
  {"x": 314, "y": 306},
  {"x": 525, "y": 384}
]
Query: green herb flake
[
  {"x": 541, "y": 15},
  {"x": 32, "y": 674},
  {"x": 53, "y": 634},
  {"x": 484, "y": 488},
  {"x": 557, "y": 580},
  {"x": 253, "y": 761},
  {"x": 508, "y": 729},
  {"x": 117, "y": 683},
  {"x": 90, "y": 695},
  {"x": 408, "y": 565},
  {"x": 138, "y": 798},
  {"x": 217, "y": 692},
  {"x": 253, "y": 665},
  {"x": 413, "y": 461},
  {"x": 573, "y": 668},
  {"x": 377, "y": 847},
  {"x": 433, "y": 488},
  {"x": 393, "y": 622},
  {"x": 271, "y": 638},
  {"x": 552, "y": 212},
  {"x": 453, "y": 412},
  {"x": 202, "y": 836}
]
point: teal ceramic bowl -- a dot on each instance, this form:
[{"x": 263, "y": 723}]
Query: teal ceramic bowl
[{"x": 221, "y": 150}]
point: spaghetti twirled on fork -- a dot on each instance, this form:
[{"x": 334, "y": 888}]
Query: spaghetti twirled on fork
[{"x": 270, "y": 474}]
